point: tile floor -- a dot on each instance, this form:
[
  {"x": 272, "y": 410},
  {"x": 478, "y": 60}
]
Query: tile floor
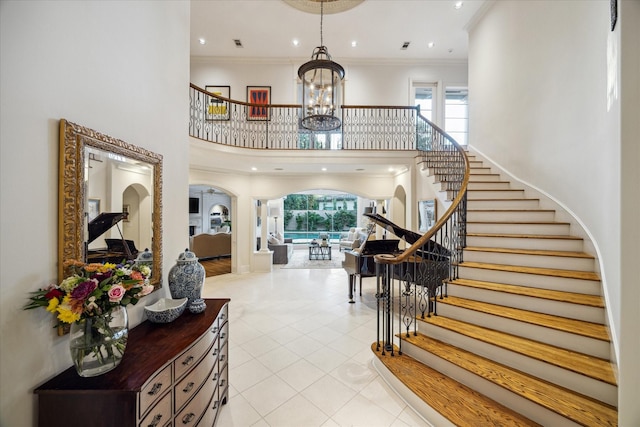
[{"x": 300, "y": 353}]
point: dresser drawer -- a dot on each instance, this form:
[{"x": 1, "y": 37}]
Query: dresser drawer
[
  {"x": 211, "y": 413},
  {"x": 194, "y": 379},
  {"x": 190, "y": 358},
  {"x": 224, "y": 314},
  {"x": 191, "y": 413},
  {"x": 155, "y": 388},
  {"x": 223, "y": 383},
  {"x": 224, "y": 334},
  {"x": 160, "y": 414}
]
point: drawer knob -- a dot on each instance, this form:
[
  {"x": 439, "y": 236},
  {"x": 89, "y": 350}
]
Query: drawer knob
[
  {"x": 215, "y": 352},
  {"x": 187, "y": 361},
  {"x": 215, "y": 405},
  {"x": 155, "y": 389},
  {"x": 222, "y": 383},
  {"x": 188, "y": 388},
  {"x": 188, "y": 418},
  {"x": 156, "y": 420},
  {"x": 215, "y": 329}
]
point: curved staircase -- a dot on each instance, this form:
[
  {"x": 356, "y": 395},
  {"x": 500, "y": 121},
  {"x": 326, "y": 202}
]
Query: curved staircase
[{"x": 519, "y": 337}]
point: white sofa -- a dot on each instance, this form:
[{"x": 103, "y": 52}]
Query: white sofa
[{"x": 353, "y": 239}]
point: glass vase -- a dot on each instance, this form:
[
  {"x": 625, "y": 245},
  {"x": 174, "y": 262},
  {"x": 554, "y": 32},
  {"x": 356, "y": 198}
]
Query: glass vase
[{"x": 97, "y": 343}]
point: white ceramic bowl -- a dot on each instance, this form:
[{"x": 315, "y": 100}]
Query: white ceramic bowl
[{"x": 165, "y": 310}]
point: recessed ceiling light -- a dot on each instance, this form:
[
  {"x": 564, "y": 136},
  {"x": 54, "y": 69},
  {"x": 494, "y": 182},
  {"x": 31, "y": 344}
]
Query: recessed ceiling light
[
  {"x": 278, "y": 169},
  {"x": 458, "y": 5},
  {"x": 354, "y": 43},
  {"x": 360, "y": 169},
  {"x": 431, "y": 44},
  {"x": 324, "y": 169},
  {"x": 390, "y": 169},
  {"x": 254, "y": 168},
  {"x": 405, "y": 45},
  {"x": 237, "y": 42},
  {"x": 202, "y": 41},
  {"x": 296, "y": 42}
]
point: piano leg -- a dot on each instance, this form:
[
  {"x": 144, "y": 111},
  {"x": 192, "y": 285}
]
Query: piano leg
[{"x": 352, "y": 285}]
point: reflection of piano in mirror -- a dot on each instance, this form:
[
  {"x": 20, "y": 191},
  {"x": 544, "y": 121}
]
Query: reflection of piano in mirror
[
  {"x": 361, "y": 263},
  {"x": 117, "y": 249}
]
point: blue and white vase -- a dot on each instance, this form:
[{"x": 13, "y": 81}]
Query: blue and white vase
[{"x": 186, "y": 279}]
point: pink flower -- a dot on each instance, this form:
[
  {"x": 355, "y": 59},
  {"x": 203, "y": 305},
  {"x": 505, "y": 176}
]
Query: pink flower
[{"x": 116, "y": 293}]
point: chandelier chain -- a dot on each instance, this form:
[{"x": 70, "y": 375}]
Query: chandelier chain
[{"x": 321, "y": 18}]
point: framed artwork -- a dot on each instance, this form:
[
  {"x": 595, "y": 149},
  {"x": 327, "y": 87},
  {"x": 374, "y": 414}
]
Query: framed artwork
[
  {"x": 125, "y": 211},
  {"x": 93, "y": 209},
  {"x": 260, "y": 95},
  {"x": 216, "y": 108},
  {"x": 427, "y": 214}
]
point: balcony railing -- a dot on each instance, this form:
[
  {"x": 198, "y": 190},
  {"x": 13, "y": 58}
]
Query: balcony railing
[{"x": 240, "y": 124}]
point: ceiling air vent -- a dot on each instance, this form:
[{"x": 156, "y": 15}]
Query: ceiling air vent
[
  {"x": 405, "y": 45},
  {"x": 238, "y": 42}
]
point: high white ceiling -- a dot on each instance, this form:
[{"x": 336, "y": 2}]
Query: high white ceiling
[{"x": 267, "y": 29}]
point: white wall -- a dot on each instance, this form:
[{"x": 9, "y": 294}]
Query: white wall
[
  {"x": 365, "y": 83},
  {"x": 543, "y": 107},
  {"x": 121, "y": 68}
]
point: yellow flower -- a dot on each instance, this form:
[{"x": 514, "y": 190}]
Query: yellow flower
[
  {"x": 53, "y": 305},
  {"x": 65, "y": 311}
]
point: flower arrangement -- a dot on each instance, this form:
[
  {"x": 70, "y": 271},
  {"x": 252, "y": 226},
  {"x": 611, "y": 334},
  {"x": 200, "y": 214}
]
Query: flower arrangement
[{"x": 93, "y": 290}]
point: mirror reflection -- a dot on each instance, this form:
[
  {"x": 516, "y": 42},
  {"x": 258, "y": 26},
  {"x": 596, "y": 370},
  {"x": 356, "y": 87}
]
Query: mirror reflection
[
  {"x": 110, "y": 200},
  {"x": 119, "y": 206}
]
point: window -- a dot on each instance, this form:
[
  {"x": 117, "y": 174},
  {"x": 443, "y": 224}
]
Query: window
[
  {"x": 308, "y": 214},
  {"x": 424, "y": 95},
  {"x": 456, "y": 114}
]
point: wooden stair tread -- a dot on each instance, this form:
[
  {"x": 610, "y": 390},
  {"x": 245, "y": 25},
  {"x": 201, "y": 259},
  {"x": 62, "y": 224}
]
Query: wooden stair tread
[
  {"x": 568, "y": 297},
  {"x": 518, "y": 222},
  {"x": 578, "y": 327},
  {"x": 526, "y": 236},
  {"x": 569, "y": 254},
  {"x": 589, "y": 366},
  {"x": 579, "y": 408},
  {"x": 569, "y": 274},
  {"x": 461, "y": 405}
]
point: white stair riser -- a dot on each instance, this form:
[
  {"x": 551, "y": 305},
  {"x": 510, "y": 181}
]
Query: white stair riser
[
  {"x": 503, "y": 204},
  {"x": 493, "y": 177},
  {"x": 566, "y": 340},
  {"x": 547, "y": 229},
  {"x": 523, "y": 260},
  {"x": 510, "y": 216},
  {"x": 497, "y": 185},
  {"x": 495, "y": 194},
  {"x": 540, "y": 305},
  {"x": 511, "y": 400},
  {"x": 589, "y": 287},
  {"x": 541, "y": 369},
  {"x": 530, "y": 243}
]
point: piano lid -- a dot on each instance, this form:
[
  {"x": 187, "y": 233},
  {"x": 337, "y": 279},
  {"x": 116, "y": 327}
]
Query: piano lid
[
  {"x": 407, "y": 235},
  {"x": 102, "y": 223}
]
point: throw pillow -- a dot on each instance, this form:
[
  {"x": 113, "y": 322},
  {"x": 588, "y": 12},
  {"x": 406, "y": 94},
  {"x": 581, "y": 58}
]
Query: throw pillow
[{"x": 273, "y": 240}]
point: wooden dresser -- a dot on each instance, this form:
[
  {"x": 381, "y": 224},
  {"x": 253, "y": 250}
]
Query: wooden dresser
[{"x": 171, "y": 374}]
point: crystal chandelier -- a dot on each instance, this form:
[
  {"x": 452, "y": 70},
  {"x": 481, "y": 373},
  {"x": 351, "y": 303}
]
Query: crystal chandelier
[{"x": 321, "y": 88}]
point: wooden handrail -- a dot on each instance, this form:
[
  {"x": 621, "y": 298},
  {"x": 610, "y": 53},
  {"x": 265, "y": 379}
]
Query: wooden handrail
[{"x": 391, "y": 259}]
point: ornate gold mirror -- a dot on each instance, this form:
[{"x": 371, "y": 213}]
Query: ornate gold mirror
[{"x": 110, "y": 200}]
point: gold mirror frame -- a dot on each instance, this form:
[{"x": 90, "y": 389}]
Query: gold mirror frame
[{"x": 71, "y": 192}]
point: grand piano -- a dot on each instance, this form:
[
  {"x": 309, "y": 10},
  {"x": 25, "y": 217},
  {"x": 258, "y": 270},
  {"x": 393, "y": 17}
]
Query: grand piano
[
  {"x": 360, "y": 262},
  {"x": 117, "y": 249}
]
